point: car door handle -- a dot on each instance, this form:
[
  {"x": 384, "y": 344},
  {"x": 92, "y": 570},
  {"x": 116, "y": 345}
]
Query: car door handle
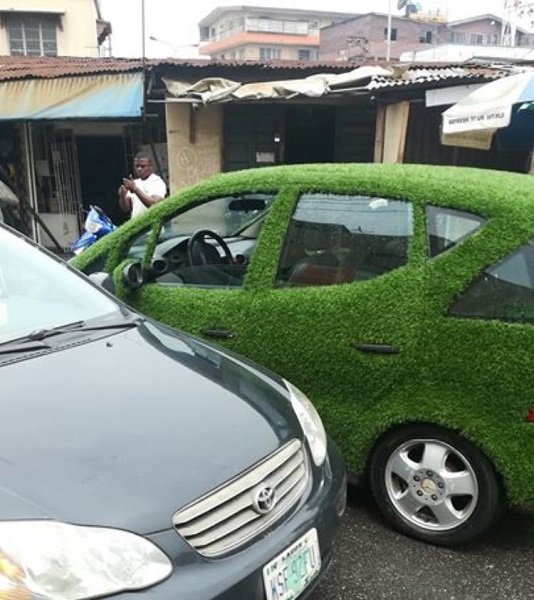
[
  {"x": 218, "y": 334},
  {"x": 376, "y": 348}
]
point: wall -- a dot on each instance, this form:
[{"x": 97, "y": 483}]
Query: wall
[
  {"x": 237, "y": 40},
  {"x": 486, "y": 27},
  {"x": 423, "y": 145},
  {"x": 364, "y": 37},
  {"x": 77, "y": 35},
  {"x": 341, "y": 42},
  {"x": 228, "y": 34},
  {"x": 194, "y": 140},
  {"x": 252, "y": 52}
]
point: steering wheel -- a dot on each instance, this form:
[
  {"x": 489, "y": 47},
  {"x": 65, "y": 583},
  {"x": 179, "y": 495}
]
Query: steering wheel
[{"x": 200, "y": 256}]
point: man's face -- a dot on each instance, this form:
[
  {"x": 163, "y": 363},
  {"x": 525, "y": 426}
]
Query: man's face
[{"x": 143, "y": 168}]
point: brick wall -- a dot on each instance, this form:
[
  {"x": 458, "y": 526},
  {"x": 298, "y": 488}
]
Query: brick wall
[{"x": 363, "y": 38}]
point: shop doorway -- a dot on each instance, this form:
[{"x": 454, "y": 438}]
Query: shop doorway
[
  {"x": 309, "y": 134},
  {"x": 103, "y": 164}
]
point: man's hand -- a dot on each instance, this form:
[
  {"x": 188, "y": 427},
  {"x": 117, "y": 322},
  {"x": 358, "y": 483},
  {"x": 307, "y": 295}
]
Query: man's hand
[{"x": 129, "y": 184}]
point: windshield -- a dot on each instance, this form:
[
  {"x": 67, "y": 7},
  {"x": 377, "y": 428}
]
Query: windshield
[
  {"x": 228, "y": 216},
  {"x": 38, "y": 292}
]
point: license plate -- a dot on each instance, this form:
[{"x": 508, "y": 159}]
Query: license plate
[{"x": 291, "y": 571}]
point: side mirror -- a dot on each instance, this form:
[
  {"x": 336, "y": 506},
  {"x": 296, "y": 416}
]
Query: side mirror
[
  {"x": 103, "y": 280},
  {"x": 132, "y": 276}
]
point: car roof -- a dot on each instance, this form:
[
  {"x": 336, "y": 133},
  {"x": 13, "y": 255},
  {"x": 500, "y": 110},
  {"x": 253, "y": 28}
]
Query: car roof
[{"x": 490, "y": 193}]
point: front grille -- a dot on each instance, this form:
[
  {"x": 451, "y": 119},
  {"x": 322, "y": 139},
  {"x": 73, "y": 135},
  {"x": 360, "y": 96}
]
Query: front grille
[{"x": 228, "y": 517}]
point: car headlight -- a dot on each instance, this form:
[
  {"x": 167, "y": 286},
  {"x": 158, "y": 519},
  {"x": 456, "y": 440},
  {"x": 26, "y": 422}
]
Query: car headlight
[
  {"x": 48, "y": 559},
  {"x": 310, "y": 421}
]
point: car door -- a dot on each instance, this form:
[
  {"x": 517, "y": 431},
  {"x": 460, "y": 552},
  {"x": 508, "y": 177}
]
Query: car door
[
  {"x": 339, "y": 315},
  {"x": 214, "y": 298}
]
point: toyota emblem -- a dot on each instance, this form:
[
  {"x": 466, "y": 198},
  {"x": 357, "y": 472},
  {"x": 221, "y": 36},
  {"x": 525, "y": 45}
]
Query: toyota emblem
[{"x": 264, "y": 500}]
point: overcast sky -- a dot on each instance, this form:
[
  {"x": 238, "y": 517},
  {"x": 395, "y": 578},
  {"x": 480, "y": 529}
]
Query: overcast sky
[{"x": 175, "y": 22}]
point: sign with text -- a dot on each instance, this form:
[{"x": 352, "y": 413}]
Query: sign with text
[{"x": 473, "y": 120}]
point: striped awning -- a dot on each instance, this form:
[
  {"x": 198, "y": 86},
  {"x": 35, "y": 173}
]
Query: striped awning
[{"x": 117, "y": 95}]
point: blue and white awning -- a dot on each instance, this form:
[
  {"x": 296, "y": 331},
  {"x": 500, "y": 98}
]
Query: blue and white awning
[{"x": 109, "y": 96}]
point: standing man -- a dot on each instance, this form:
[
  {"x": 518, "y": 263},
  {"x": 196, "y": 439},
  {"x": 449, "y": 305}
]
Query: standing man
[{"x": 138, "y": 195}]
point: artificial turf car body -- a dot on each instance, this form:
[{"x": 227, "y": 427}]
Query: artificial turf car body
[{"x": 421, "y": 362}]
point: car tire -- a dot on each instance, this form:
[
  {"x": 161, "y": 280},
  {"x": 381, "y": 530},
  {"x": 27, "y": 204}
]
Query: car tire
[{"x": 432, "y": 484}]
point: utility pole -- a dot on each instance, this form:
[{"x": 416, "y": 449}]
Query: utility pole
[
  {"x": 143, "y": 58},
  {"x": 388, "y": 43},
  {"x": 400, "y": 5}
]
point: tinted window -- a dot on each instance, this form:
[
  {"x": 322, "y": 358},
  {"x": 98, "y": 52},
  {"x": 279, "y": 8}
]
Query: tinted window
[
  {"x": 337, "y": 239},
  {"x": 504, "y": 291},
  {"x": 447, "y": 228}
]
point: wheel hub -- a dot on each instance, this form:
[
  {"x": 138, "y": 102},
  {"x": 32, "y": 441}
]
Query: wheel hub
[{"x": 427, "y": 486}]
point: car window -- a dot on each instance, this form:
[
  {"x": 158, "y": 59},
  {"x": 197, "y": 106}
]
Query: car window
[
  {"x": 208, "y": 245},
  {"x": 138, "y": 244},
  {"x": 504, "y": 291},
  {"x": 447, "y": 228},
  {"x": 335, "y": 239}
]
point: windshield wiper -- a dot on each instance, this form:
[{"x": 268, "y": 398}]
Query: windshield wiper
[
  {"x": 41, "y": 334},
  {"x": 18, "y": 346},
  {"x": 33, "y": 341}
]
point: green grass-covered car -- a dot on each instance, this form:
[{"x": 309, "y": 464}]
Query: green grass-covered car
[{"x": 400, "y": 298}]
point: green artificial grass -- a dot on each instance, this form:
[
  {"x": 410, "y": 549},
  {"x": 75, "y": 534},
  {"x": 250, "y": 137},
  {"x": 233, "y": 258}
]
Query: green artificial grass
[{"x": 474, "y": 376}]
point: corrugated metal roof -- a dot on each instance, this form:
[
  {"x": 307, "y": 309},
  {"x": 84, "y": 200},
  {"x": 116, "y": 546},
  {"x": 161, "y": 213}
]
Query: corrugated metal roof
[
  {"x": 29, "y": 67},
  {"x": 44, "y": 67},
  {"x": 408, "y": 75}
]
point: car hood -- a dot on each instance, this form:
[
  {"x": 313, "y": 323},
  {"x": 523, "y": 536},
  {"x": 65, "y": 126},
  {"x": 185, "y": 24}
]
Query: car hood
[{"x": 124, "y": 430}]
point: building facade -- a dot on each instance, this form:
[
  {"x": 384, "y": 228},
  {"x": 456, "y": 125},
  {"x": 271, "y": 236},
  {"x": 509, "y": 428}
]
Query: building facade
[
  {"x": 365, "y": 37},
  {"x": 69, "y": 127},
  {"x": 52, "y": 28},
  {"x": 260, "y": 33}
]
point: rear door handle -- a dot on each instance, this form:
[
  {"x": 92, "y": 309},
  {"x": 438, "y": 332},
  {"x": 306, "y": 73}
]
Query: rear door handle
[
  {"x": 218, "y": 334},
  {"x": 376, "y": 348}
]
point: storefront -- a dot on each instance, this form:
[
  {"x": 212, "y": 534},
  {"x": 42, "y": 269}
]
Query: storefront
[{"x": 65, "y": 143}]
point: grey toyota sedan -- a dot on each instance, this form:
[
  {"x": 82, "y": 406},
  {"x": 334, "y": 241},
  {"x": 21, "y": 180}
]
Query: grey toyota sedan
[{"x": 135, "y": 460}]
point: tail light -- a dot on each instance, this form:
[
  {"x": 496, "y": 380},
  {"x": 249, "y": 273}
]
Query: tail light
[{"x": 530, "y": 415}]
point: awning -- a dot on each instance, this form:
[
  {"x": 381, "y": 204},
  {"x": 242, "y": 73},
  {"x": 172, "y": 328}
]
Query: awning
[
  {"x": 117, "y": 95},
  {"x": 473, "y": 121}
]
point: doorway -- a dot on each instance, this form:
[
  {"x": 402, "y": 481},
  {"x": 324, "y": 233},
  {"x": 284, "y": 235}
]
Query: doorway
[
  {"x": 103, "y": 164},
  {"x": 309, "y": 134}
]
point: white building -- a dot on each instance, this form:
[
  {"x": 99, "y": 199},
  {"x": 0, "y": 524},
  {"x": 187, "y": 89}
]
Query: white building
[{"x": 52, "y": 28}]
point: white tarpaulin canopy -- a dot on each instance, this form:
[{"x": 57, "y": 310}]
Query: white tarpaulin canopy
[
  {"x": 473, "y": 121},
  {"x": 223, "y": 90}
]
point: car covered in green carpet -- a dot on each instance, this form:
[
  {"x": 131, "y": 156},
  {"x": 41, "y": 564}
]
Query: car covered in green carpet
[{"x": 400, "y": 298}]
